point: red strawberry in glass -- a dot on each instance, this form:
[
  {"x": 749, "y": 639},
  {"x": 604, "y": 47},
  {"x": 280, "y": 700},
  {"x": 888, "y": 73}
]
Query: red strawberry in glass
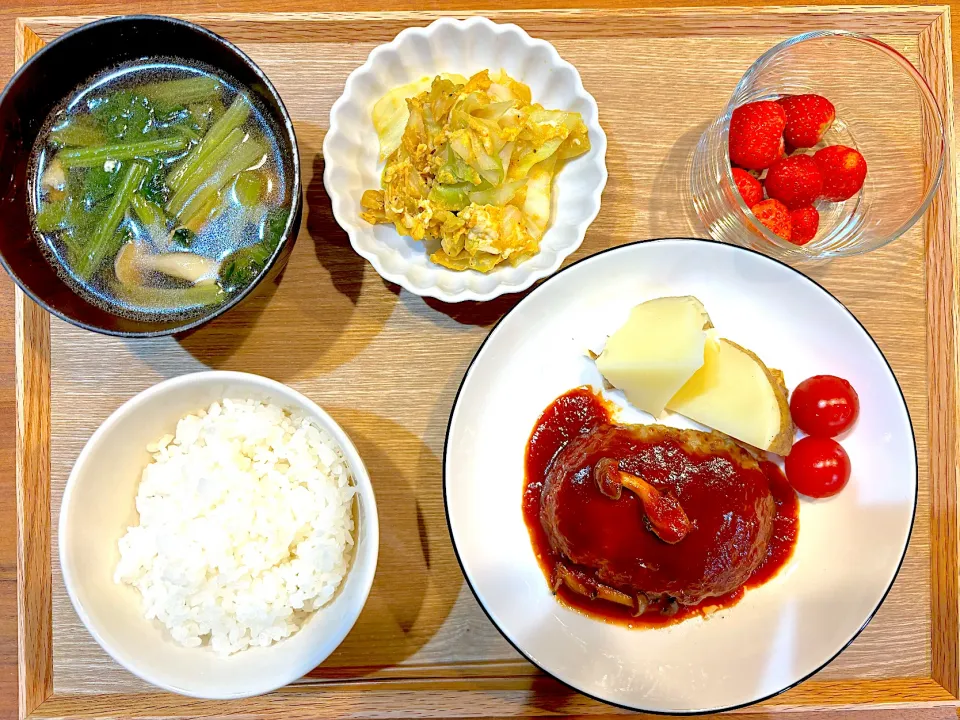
[
  {"x": 756, "y": 134},
  {"x": 748, "y": 186},
  {"x": 795, "y": 181},
  {"x": 804, "y": 223},
  {"x": 774, "y": 215},
  {"x": 808, "y": 117},
  {"x": 843, "y": 170}
]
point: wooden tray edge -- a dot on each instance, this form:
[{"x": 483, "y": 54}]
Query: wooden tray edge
[
  {"x": 34, "y": 583},
  {"x": 943, "y": 311},
  {"x": 538, "y": 697},
  {"x": 660, "y": 21}
]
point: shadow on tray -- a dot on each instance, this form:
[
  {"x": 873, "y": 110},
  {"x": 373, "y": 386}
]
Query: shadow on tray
[
  {"x": 670, "y": 209},
  {"x": 317, "y": 316},
  {"x": 418, "y": 579},
  {"x": 480, "y": 314}
]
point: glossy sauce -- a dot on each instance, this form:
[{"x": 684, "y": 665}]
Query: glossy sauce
[{"x": 580, "y": 410}]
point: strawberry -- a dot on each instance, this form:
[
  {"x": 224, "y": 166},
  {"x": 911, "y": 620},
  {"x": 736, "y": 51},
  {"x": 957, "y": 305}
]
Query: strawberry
[
  {"x": 758, "y": 174},
  {"x": 775, "y": 216},
  {"x": 843, "y": 170},
  {"x": 804, "y": 223},
  {"x": 795, "y": 181},
  {"x": 756, "y": 134},
  {"x": 808, "y": 118},
  {"x": 749, "y": 187}
]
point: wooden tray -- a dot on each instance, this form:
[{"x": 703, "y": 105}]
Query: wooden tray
[{"x": 386, "y": 365}]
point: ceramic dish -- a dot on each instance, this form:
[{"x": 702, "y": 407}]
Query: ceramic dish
[
  {"x": 53, "y": 74},
  {"x": 350, "y": 151},
  {"x": 850, "y": 547},
  {"x": 98, "y": 506}
]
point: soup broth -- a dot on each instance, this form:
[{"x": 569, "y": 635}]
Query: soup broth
[{"x": 159, "y": 189}]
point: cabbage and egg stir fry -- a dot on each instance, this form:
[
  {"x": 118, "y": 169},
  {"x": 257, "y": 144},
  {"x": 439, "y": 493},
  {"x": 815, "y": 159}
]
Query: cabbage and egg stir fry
[{"x": 470, "y": 163}]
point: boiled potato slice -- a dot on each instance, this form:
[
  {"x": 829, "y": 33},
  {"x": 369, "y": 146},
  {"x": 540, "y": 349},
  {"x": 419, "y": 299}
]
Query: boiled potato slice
[
  {"x": 736, "y": 394},
  {"x": 656, "y": 351}
]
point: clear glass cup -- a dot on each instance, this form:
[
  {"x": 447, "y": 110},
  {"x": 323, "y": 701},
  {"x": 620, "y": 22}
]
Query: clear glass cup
[{"x": 884, "y": 109}]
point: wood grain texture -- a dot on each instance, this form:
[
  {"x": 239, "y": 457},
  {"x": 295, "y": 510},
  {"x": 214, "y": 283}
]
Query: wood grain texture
[
  {"x": 569, "y": 23},
  {"x": 943, "y": 291},
  {"x": 417, "y": 700},
  {"x": 34, "y": 631},
  {"x": 342, "y": 320}
]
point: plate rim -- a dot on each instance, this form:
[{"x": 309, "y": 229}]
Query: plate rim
[{"x": 706, "y": 711}]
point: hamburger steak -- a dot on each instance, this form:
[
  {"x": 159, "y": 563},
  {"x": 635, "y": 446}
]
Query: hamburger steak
[{"x": 719, "y": 487}]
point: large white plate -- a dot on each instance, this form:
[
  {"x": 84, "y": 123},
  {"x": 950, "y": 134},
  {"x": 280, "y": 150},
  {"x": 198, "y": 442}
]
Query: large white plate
[{"x": 849, "y": 549}]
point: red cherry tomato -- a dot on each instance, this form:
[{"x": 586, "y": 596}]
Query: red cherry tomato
[
  {"x": 824, "y": 405},
  {"x": 817, "y": 467}
]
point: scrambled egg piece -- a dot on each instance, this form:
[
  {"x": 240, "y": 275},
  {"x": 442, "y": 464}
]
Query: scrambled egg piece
[{"x": 470, "y": 164}]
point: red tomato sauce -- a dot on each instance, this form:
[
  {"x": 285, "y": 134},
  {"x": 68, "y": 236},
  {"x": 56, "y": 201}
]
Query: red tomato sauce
[{"x": 581, "y": 409}]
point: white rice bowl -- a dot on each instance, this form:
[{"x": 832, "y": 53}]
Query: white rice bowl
[{"x": 246, "y": 526}]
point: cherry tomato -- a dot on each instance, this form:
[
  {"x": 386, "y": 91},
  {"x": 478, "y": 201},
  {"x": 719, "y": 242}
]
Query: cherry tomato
[
  {"x": 824, "y": 405},
  {"x": 817, "y": 467}
]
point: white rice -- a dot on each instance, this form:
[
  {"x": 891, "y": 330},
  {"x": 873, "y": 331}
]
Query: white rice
[{"x": 246, "y": 526}]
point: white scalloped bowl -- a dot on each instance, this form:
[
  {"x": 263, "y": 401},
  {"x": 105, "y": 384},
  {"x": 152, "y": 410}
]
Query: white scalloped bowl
[{"x": 350, "y": 151}]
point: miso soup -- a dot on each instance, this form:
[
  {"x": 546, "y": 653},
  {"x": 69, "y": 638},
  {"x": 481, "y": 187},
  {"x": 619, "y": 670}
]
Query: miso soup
[{"x": 159, "y": 189}]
